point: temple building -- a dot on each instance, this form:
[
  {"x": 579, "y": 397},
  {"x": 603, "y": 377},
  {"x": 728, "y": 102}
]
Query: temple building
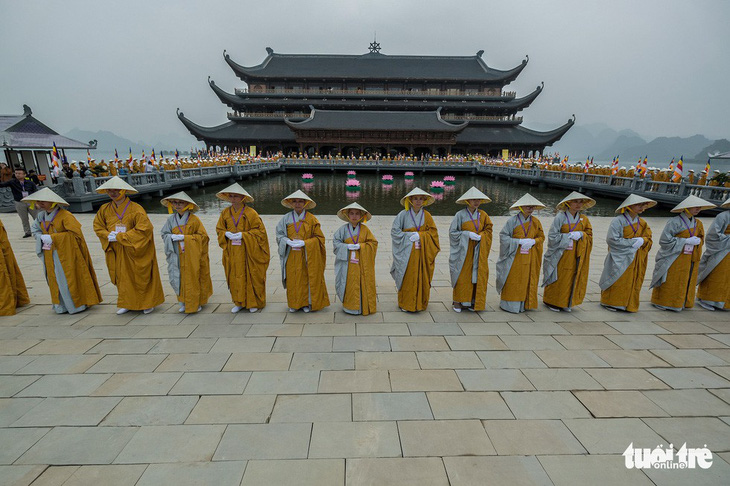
[{"x": 374, "y": 104}]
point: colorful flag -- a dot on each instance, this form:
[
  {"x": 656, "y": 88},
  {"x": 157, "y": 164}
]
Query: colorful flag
[
  {"x": 614, "y": 166},
  {"x": 177, "y": 155},
  {"x": 671, "y": 165},
  {"x": 130, "y": 158},
  {"x": 678, "y": 171},
  {"x": 585, "y": 167},
  {"x": 54, "y": 155},
  {"x": 88, "y": 156},
  {"x": 143, "y": 156},
  {"x": 707, "y": 167},
  {"x": 116, "y": 156},
  {"x": 152, "y": 157},
  {"x": 564, "y": 163},
  {"x": 644, "y": 166}
]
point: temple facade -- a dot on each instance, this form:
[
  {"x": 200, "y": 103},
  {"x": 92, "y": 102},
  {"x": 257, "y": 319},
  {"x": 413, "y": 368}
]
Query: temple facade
[{"x": 374, "y": 104}]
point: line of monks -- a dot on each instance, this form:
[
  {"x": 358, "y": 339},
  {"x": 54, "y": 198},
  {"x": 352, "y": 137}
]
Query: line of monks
[{"x": 127, "y": 238}]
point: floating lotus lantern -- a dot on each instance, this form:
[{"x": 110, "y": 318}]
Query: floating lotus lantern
[
  {"x": 409, "y": 176},
  {"x": 437, "y": 186},
  {"x": 307, "y": 177},
  {"x": 387, "y": 179},
  {"x": 351, "y": 174},
  {"x": 352, "y": 185},
  {"x": 450, "y": 180}
]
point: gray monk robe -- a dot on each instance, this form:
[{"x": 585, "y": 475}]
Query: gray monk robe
[
  {"x": 518, "y": 269},
  {"x": 468, "y": 264},
  {"x": 675, "y": 273},
  {"x": 714, "y": 269}
]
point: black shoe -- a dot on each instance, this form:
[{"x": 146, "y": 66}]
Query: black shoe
[{"x": 27, "y": 235}]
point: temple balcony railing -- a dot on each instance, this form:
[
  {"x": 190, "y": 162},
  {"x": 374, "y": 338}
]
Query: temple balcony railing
[
  {"x": 232, "y": 115},
  {"x": 377, "y": 92},
  {"x": 497, "y": 118}
]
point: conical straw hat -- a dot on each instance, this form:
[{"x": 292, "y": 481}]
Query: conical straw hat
[
  {"x": 116, "y": 182},
  {"x": 298, "y": 194},
  {"x": 726, "y": 204},
  {"x": 473, "y": 193},
  {"x": 417, "y": 191},
  {"x": 692, "y": 202},
  {"x": 46, "y": 195},
  {"x": 635, "y": 199},
  {"x": 590, "y": 202},
  {"x": 180, "y": 196},
  {"x": 527, "y": 200},
  {"x": 342, "y": 213},
  {"x": 235, "y": 189}
]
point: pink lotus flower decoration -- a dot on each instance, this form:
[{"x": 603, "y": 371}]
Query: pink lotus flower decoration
[
  {"x": 409, "y": 174},
  {"x": 351, "y": 172},
  {"x": 307, "y": 176},
  {"x": 437, "y": 184},
  {"x": 387, "y": 177},
  {"x": 352, "y": 183}
]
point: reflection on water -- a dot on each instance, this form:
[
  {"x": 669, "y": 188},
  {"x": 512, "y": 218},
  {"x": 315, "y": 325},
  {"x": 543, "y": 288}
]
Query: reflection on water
[{"x": 329, "y": 192}]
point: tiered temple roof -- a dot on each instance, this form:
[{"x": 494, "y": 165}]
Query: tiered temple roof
[{"x": 458, "y": 98}]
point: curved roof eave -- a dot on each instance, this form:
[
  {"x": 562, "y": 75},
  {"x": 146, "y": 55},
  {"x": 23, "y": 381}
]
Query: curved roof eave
[
  {"x": 199, "y": 131},
  {"x": 525, "y": 101},
  {"x": 508, "y": 75},
  {"x": 227, "y": 98},
  {"x": 551, "y": 136}
]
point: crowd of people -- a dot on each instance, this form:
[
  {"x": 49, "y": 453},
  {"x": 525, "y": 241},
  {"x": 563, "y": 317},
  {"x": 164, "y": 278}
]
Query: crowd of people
[{"x": 127, "y": 239}]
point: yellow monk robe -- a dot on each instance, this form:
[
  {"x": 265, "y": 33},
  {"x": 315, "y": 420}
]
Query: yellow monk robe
[
  {"x": 131, "y": 260},
  {"x": 70, "y": 245},
  {"x": 524, "y": 275},
  {"x": 569, "y": 289},
  {"x": 305, "y": 273},
  {"x": 195, "y": 284},
  {"x": 415, "y": 291},
  {"x": 678, "y": 290},
  {"x": 624, "y": 293},
  {"x": 245, "y": 264},
  {"x": 714, "y": 287},
  {"x": 360, "y": 291},
  {"x": 465, "y": 290},
  {"x": 12, "y": 286}
]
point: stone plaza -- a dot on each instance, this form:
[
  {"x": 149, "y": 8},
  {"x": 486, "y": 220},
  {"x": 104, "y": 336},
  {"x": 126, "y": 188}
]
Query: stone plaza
[{"x": 327, "y": 398}]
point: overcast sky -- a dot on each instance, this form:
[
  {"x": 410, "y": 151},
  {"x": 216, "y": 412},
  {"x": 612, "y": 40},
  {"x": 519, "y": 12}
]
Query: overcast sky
[{"x": 657, "y": 67}]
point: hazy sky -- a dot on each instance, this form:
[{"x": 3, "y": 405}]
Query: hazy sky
[{"x": 657, "y": 67}]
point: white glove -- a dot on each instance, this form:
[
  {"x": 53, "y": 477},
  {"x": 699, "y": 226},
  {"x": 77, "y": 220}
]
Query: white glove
[
  {"x": 414, "y": 237},
  {"x": 527, "y": 242},
  {"x": 693, "y": 240},
  {"x": 233, "y": 236},
  {"x": 229, "y": 235},
  {"x": 575, "y": 235},
  {"x": 474, "y": 236},
  {"x": 354, "y": 247},
  {"x": 177, "y": 237},
  {"x": 638, "y": 242},
  {"x": 295, "y": 243},
  {"x": 46, "y": 239},
  {"x": 112, "y": 236}
]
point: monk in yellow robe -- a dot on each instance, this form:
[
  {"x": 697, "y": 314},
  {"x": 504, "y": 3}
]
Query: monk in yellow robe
[
  {"x": 415, "y": 243},
  {"x": 13, "y": 293},
  {"x": 568, "y": 255},
  {"x": 520, "y": 257},
  {"x": 61, "y": 246},
  {"x": 677, "y": 262},
  {"x": 186, "y": 249},
  {"x": 302, "y": 254},
  {"x": 714, "y": 273},
  {"x": 355, "y": 248},
  {"x": 127, "y": 238},
  {"x": 242, "y": 236},
  {"x": 629, "y": 241},
  {"x": 470, "y": 236}
]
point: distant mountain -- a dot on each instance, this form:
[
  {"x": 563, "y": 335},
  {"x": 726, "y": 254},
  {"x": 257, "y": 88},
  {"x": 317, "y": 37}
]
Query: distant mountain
[
  {"x": 108, "y": 141},
  {"x": 718, "y": 146},
  {"x": 596, "y": 140}
]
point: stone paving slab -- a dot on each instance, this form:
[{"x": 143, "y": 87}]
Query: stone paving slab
[{"x": 329, "y": 398}]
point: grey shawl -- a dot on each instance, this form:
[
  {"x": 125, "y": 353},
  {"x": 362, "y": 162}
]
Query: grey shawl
[
  {"x": 402, "y": 245},
  {"x": 172, "y": 248},
  {"x": 670, "y": 247},
  {"x": 281, "y": 236},
  {"x": 717, "y": 245},
  {"x": 342, "y": 257},
  {"x": 620, "y": 251},
  {"x": 507, "y": 250},
  {"x": 66, "y": 303},
  {"x": 459, "y": 241},
  {"x": 557, "y": 242}
]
